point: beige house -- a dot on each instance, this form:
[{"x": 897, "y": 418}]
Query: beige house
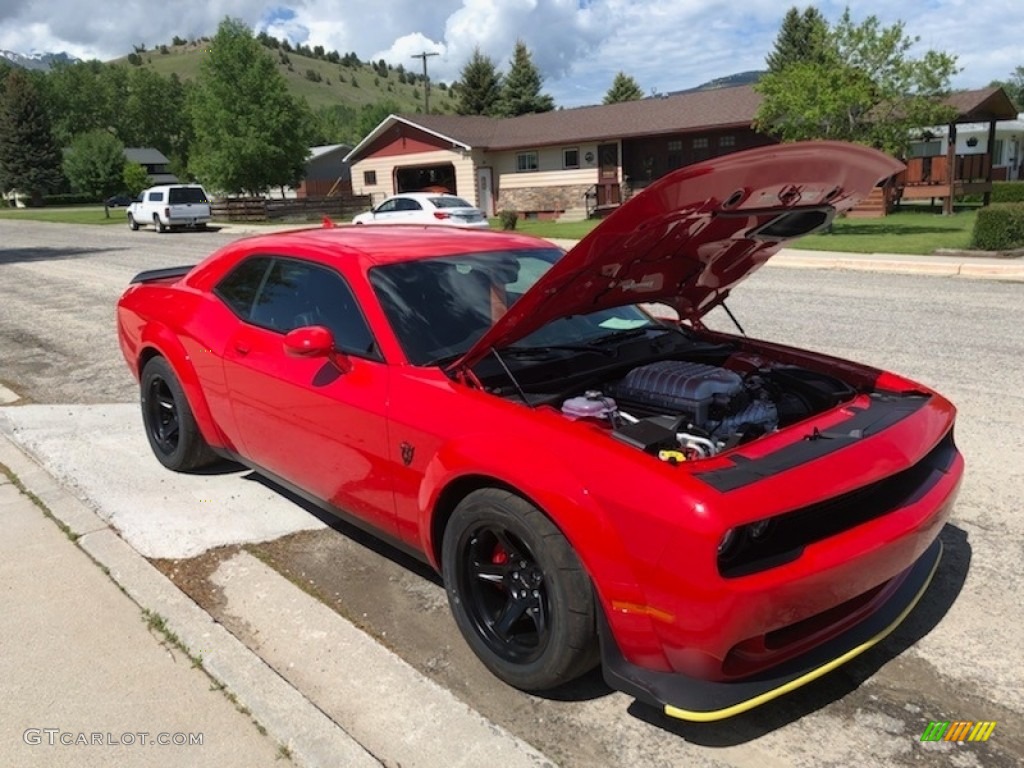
[{"x": 573, "y": 163}]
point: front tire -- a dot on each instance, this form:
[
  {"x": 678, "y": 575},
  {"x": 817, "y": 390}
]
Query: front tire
[
  {"x": 133, "y": 225},
  {"x": 518, "y": 591},
  {"x": 171, "y": 428}
]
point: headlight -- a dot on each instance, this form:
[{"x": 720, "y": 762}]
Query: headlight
[{"x": 728, "y": 542}]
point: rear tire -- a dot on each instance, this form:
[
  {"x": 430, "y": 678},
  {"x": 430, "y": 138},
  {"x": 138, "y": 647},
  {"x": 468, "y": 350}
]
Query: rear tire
[
  {"x": 171, "y": 428},
  {"x": 158, "y": 225},
  {"x": 519, "y": 594},
  {"x": 133, "y": 225}
]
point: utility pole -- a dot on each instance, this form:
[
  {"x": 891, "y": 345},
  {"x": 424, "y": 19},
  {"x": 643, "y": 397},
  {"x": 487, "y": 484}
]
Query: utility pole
[{"x": 426, "y": 80}]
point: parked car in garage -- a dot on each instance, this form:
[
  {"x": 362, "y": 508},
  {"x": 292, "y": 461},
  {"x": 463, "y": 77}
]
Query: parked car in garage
[
  {"x": 715, "y": 519},
  {"x": 425, "y": 208}
]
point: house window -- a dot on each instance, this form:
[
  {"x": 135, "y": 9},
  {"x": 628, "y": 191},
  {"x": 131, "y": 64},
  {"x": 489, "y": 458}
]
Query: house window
[
  {"x": 370, "y": 178},
  {"x": 526, "y": 161},
  {"x": 701, "y": 143},
  {"x": 997, "y": 153},
  {"x": 675, "y": 145},
  {"x": 571, "y": 157},
  {"x": 925, "y": 148},
  {"x": 727, "y": 141}
]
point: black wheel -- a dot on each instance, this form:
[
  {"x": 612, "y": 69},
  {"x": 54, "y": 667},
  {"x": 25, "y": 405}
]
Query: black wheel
[
  {"x": 157, "y": 224},
  {"x": 133, "y": 225},
  {"x": 519, "y": 594},
  {"x": 170, "y": 426}
]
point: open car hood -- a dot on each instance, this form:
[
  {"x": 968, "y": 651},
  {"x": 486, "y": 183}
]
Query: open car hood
[{"x": 691, "y": 236}]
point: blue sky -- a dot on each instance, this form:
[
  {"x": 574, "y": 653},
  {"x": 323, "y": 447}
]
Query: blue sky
[{"x": 578, "y": 44}]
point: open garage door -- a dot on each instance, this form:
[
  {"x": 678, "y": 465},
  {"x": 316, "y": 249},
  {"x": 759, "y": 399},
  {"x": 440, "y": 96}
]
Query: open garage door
[{"x": 426, "y": 178}]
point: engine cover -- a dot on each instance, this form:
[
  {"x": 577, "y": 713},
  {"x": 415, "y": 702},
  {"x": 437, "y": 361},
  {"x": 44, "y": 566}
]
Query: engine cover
[{"x": 701, "y": 392}]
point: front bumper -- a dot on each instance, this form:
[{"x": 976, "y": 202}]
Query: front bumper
[{"x": 688, "y": 698}]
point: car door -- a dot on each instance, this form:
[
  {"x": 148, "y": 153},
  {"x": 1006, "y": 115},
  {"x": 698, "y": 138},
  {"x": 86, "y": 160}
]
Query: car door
[
  {"x": 387, "y": 212},
  {"x": 303, "y": 419}
]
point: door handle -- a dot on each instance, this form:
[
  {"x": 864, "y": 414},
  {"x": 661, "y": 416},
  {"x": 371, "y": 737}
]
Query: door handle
[{"x": 242, "y": 348}]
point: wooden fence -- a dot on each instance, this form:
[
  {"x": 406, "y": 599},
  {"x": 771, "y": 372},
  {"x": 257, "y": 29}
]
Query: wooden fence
[{"x": 341, "y": 208}]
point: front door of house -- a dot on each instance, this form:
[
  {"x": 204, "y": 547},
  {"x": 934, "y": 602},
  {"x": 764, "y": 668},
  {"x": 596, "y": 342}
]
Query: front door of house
[
  {"x": 608, "y": 175},
  {"x": 484, "y": 191}
]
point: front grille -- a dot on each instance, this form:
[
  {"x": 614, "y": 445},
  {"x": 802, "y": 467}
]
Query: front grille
[{"x": 791, "y": 532}]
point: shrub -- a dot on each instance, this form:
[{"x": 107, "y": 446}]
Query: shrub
[
  {"x": 508, "y": 218},
  {"x": 999, "y": 227},
  {"x": 1008, "y": 192},
  {"x": 73, "y": 198}
]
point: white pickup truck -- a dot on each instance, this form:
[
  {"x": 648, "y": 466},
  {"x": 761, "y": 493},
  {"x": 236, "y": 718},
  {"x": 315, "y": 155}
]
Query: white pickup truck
[{"x": 170, "y": 205}]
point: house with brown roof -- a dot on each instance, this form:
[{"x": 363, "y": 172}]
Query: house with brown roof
[{"x": 581, "y": 160}]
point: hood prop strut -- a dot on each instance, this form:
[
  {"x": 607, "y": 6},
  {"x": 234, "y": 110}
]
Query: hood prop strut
[
  {"x": 511, "y": 377},
  {"x": 733, "y": 318}
]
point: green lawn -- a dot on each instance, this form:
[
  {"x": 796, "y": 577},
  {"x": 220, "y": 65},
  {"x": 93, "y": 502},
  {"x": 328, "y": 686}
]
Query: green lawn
[
  {"x": 84, "y": 215},
  {"x": 908, "y": 231}
]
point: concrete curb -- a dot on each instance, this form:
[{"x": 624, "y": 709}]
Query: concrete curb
[{"x": 312, "y": 737}]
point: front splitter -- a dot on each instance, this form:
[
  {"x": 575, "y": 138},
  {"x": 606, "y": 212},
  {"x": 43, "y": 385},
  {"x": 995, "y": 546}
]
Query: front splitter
[{"x": 696, "y": 700}]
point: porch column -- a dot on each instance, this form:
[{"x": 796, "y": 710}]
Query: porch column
[
  {"x": 991, "y": 160},
  {"x": 947, "y": 207}
]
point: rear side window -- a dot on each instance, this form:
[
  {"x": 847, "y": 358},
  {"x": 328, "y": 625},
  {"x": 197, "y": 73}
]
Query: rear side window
[
  {"x": 238, "y": 289},
  {"x": 407, "y": 204},
  {"x": 156, "y": 197},
  {"x": 178, "y": 195}
]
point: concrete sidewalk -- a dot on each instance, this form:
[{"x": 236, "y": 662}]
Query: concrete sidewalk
[{"x": 91, "y": 679}]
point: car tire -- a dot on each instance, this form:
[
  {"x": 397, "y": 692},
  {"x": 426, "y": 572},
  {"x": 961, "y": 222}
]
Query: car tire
[
  {"x": 133, "y": 225},
  {"x": 519, "y": 594},
  {"x": 158, "y": 225},
  {"x": 171, "y": 428}
]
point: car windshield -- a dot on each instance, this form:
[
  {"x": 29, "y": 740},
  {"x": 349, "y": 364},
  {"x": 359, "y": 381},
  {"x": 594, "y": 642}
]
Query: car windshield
[
  {"x": 187, "y": 195},
  {"x": 449, "y": 202},
  {"x": 439, "y": 307}
]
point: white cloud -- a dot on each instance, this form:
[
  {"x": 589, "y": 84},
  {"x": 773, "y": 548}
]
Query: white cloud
[{"x": 578, "y": 44}]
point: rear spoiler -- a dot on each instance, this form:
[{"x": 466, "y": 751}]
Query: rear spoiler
[{"x": 152, "y": 275}]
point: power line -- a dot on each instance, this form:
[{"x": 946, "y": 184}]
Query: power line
[{"x": 426, "y": 80}]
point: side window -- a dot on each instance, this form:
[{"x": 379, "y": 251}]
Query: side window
[
  {"x": 387, "y": 206},
  {"x": 408, "y": 204},
  {"x": 156, "y": 197},
  {"x": 239, "y": 287},
  {"x": 297, "y": 293}
]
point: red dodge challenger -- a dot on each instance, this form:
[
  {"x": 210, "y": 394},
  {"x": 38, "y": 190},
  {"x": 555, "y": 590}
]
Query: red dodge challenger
[{"x": 714, "y": 519}]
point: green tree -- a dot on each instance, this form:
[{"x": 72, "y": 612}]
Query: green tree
[
  {"x": 83, "y": 96},
  {"x": 336, "y": 124},
  {"x": 94, "y": 164},
  {"x": 624, "y": 88},
  {"x": 865, "y": 88},
  {"x": 134, "y": 178},
  {"x": 802, "y": 37},
  {"x": 479, "y": 85},
  {"x": 372, "y": 115},
  {"x": 520, "y": 93},
  {"x": 30, "y": 158},
  {"x": 250, "y": 134},
  {"x": 1014, "y": 86}
]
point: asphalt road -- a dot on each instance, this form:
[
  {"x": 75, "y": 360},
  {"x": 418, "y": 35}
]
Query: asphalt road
[{"x": 957, "y": 656}]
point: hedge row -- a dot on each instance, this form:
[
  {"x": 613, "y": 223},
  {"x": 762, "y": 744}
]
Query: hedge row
[
  {"x": 999, "y": 227},
  {"x": 1008, "y": 192},
  {"x": 70, "y": 199}
]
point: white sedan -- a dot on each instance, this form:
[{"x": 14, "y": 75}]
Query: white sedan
[{"x": 425, "y": 208}]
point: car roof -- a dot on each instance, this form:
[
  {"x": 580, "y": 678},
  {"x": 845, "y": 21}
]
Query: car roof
[
  {"x": 395, "y": 242},
  {"x": 423, "y": 195}
]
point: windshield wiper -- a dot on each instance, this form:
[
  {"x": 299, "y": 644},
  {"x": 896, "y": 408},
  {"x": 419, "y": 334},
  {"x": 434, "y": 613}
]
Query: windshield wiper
[{"x": 544, "y": 349}]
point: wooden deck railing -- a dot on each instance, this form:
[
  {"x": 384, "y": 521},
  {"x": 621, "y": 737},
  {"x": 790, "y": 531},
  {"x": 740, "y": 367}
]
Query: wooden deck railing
[{"x": 935, "y": 170}]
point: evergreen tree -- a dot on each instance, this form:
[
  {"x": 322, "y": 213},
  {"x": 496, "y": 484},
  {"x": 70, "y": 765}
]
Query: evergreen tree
[
  {"x": 624, "y": 88},
  {"x": 250, "y": 133},
  {"x": 480, "y": 86},
  {"x": 95, "y": 164},
  {"x": 520, "y": 93},
  {"x": 802, "y": 37},
  {"x": 30, "y": 159}
]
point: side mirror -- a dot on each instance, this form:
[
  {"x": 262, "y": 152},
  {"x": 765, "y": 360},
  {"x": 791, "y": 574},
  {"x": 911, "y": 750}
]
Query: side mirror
[{"x": 315, "y": 341}]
